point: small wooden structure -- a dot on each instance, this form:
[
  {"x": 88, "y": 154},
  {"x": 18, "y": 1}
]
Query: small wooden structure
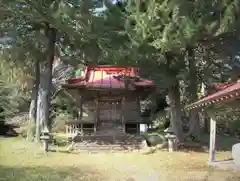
[
  {"x": 226, "y": 93},
  {"x": 108, "y": 100}
]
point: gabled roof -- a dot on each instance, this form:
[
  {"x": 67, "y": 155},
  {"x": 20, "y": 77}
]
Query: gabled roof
[
  {"x": 226, "y": 91},
  {"x": 107, "y": 76}
]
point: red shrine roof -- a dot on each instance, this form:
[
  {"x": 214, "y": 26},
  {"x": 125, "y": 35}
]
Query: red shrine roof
[
  {"x": 225, "y": 92},
  {"x": 222, "y": 86},
  {"x": 107, "y": 76}
]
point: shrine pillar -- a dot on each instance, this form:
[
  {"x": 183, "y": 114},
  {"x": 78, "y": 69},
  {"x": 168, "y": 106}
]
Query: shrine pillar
[
  {"x": 123, "y": 101},
  {"x": 212, "y": 141}
]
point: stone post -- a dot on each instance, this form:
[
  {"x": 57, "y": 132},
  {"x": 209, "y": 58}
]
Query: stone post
[
  {"x": 45, "y": 137},
  {"x": 171, "y": 137}
]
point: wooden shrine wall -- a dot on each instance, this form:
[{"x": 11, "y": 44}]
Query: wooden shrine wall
[
  {"x": 110, "y": 110},
  {"x": 89, "y": 111},
  {"x": 131, "y": 109},
  {"x": 110, "y": 107}
]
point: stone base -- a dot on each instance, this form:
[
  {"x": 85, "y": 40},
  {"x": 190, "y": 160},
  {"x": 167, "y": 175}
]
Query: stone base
[
  {"x": 106, "y": 143},
  {"x": 236, "y": 153}
]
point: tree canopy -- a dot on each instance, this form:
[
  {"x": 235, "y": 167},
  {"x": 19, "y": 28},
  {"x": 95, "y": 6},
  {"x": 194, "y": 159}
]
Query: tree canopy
[{"x": 181, "y": 45}]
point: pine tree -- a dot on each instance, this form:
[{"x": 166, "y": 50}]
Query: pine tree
[{"x": 171, "y": 27}]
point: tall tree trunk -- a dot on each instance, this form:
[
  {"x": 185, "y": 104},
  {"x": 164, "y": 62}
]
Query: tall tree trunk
[
  {"x": 33, "y": 104},
  {"x": 175, "y": 110},
  {"x": 208, "y": 86},
  {"x": 44, "y": 93},
  {"x": 194, "y": 122}
]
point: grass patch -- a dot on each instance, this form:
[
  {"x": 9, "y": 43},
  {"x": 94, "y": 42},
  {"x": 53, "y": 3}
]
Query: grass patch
[{"x": 24, "y": 161}]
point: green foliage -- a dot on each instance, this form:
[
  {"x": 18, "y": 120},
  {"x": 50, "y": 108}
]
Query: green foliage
[
  {"x": 13, "y": 87},
  {"x": 227, "y": 116},
  {"x": 159, "y": 119},
  {"x": 60, "y": 140},
  {"x": 169, "y": 26},
  {"x": 28, "y": 131},
  {"x": 59, "y": 123},
  {"x": 154, "y": 139},
  {"x": 63, "y": 110}
]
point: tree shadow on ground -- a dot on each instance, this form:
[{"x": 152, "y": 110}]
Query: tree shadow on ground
[
  {"x": 19, "y": 173},
  {"x": 223, "y": 143},
  {"x": 8, "y": 130}
]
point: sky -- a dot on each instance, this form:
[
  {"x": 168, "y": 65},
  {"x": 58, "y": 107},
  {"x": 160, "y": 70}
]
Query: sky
[{"x": 104, "y": 7}]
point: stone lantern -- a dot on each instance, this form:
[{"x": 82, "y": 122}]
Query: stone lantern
[
  {"x": 235, "y": 153},
  {"x": 45, "y": 137},
  {"x": 171, "y": 137}
]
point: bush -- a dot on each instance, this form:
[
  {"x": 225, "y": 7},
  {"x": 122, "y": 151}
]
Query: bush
[
  {"x": 59, "y": 140},
  {"x": 154, "y": 139},
  {"x": 22, "y": 131},
  {"x": 59, "y": 123},
  {"x": 13, "y": 87}
]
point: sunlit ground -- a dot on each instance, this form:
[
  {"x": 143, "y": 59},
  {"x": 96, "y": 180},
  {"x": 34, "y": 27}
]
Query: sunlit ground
[{"x": 24, "y": 161}]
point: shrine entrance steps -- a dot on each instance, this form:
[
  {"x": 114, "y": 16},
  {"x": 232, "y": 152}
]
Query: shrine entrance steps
[{"x": 107, "y": 143}]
